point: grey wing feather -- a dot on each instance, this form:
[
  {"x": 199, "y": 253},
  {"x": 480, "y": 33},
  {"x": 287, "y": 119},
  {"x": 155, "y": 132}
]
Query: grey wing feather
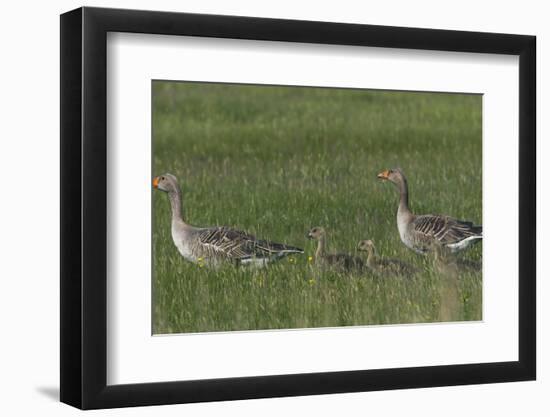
[
  {"x": 234, "y": 244},
  {"x": 223, "y": 242},
  {"x": 444, "y": 229}
]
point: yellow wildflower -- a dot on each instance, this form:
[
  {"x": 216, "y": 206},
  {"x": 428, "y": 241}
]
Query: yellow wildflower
[
  {"x": 310, "y": 259},
  {"x": 311, "y": 281}
]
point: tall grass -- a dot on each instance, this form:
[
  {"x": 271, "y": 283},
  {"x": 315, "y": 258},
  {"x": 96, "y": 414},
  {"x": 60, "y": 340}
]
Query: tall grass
[{"x": 275, "y": 161}]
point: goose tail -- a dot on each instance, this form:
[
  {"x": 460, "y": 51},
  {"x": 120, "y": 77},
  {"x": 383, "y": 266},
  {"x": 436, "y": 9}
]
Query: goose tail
[{"x": 284, "y": 249}]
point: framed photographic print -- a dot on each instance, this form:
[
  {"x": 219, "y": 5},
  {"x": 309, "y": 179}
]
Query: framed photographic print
[{"x": 258, "y": 207}]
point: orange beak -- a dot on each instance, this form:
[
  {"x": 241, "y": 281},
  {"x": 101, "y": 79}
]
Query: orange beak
[
  {"x": 156, "y": 182},
  {"x": 384, "y": 175}
]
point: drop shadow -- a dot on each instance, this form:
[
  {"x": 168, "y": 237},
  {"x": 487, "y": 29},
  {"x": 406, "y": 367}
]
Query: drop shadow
[{"x": 50, "y": 392}]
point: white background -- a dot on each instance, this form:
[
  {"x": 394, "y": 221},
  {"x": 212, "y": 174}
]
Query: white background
[
  {"x": 29, "y": 165},
  {"x": 134, "y": 356}
]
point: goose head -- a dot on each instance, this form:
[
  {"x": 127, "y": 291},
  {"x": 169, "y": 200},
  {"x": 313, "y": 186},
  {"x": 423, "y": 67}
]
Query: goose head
[
  {"x": 166, "y": 182},
  {"x": 394, "y": 175},
  {"x": 316, "y": 233},
  {"x": 365, "y": 246}
]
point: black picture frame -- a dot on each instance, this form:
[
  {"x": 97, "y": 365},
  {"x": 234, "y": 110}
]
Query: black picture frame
[{"x": 84, "y": 207}]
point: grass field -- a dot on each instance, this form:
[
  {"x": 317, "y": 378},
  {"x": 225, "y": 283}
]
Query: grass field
[{"x": 276, "y": 161}]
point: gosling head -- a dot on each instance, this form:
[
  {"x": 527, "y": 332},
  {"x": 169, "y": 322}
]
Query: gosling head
[
  {"x": 394, "y": 175},
  {"x": 165, "y": 182},
  {"x": 316, "y": 233},
  {"x": 365, "y": 246}
]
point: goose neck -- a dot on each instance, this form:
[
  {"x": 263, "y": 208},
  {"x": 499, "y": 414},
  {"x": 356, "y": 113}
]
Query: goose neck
[
  {"x": 320, "y": 248},
  {"x": 175, "y": 205},
  {"x": 372, "y": 257},
  {"x": 403, "y": 196}
]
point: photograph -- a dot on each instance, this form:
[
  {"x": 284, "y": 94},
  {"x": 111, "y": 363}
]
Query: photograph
[
  {"x": 290, "y": 204},
  {"x": 293, "y": 207}
]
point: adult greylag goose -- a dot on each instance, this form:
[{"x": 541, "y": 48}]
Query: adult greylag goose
[
  {"x": 446, "y": 263},
  {"x": 214, "y": 245},
  {"x": 384, "y": 266},
  {"x": 342, "y": 261},
  {"x": 420, "y": 232}
]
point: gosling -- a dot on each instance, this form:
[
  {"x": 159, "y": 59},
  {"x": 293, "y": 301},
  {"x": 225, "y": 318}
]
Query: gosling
[
  {"x": 340, "y": 261},
  {"x": 385, "y": 266}
]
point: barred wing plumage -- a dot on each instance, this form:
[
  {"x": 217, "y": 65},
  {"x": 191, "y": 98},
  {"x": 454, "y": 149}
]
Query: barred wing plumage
[
  {"x": 224, "y": 242},
  {"x": 445, "y": 230}
]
